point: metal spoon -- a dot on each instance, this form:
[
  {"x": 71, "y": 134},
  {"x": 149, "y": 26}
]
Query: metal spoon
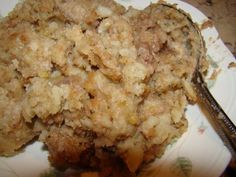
[
  {"x": 218, "y": 118},
  {"x": 222, "y": 124}
]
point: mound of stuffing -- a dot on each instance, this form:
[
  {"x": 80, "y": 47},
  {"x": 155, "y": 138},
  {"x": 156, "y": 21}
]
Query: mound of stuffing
[{"x": 92, "y": 80}]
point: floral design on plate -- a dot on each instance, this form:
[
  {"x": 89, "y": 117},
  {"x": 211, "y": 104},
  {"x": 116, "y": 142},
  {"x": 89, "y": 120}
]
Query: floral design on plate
[
  {"x": 182, "y": 167},
  {"x": 202, "y": 128}
]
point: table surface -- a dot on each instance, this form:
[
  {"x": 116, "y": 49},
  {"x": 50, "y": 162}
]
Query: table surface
[{"x": 223, "y": 15}]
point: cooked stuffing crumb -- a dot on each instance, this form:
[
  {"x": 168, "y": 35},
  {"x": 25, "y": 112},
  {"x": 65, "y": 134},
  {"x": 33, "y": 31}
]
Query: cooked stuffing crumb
[
  {"x": 232, "y": 65},
  {"x": 94, "y": 81}
]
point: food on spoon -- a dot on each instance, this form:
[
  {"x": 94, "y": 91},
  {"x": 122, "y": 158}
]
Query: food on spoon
[{"x": 94, "y": 81}]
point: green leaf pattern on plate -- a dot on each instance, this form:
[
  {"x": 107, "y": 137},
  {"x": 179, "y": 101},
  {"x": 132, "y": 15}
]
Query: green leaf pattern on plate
[
  {"x": 182, "y": 167},
  {"x": 210, "y": 83},
  {"x": 212, "y": 63},
  {"x": 49, "y": 173}
]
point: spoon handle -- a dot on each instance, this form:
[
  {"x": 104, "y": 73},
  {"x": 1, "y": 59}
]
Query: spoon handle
[{"x": 218, "y": 118}]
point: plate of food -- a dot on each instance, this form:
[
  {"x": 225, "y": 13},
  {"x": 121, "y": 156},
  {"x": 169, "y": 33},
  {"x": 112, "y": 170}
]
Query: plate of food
[{"x": 104, "y": 88}]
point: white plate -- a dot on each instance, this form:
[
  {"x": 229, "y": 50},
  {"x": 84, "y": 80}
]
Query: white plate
[{"x": 198, "y": 153}]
